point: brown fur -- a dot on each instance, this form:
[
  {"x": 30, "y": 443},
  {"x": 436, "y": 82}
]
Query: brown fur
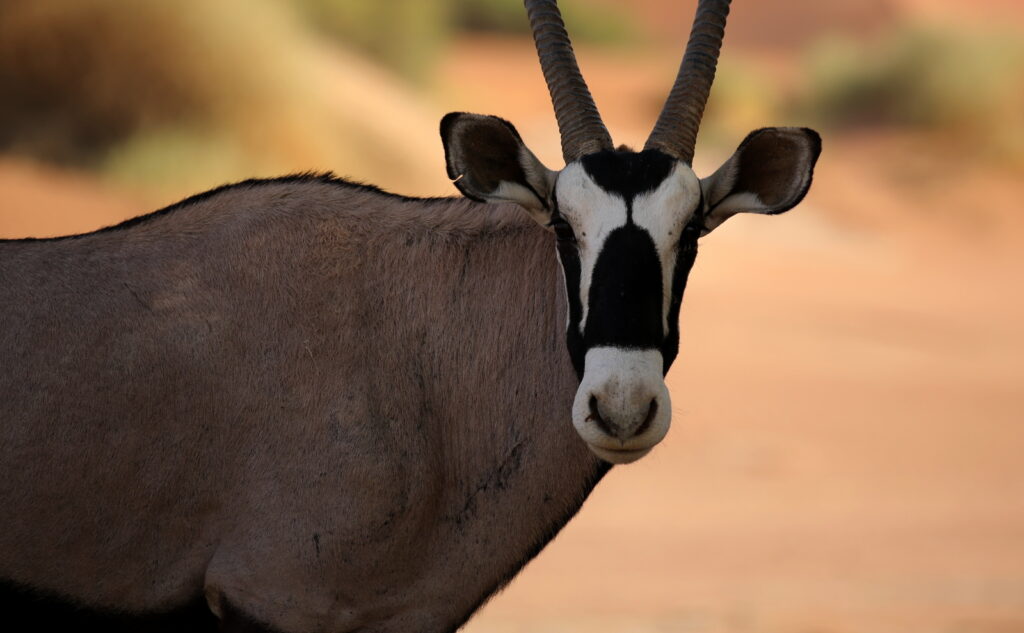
[{"x": 327, "y": 407}]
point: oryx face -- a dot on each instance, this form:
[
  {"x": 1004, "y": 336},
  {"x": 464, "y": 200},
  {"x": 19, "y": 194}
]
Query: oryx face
[
  {"x": 625, "y": 224},
  {"x": 626, "y": 237}
]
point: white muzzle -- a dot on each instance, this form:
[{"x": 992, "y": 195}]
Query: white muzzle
[{"x": 622, "y": 407}]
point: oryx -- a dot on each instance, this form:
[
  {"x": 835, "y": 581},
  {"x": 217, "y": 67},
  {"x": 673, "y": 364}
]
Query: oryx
[{"x": 307, "y": 405}]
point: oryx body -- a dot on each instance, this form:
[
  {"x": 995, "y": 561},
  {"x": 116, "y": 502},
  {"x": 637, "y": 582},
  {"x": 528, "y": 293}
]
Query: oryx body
[
  {"x": 307, "y": 405},
  {"x": 255, "y": 399}
]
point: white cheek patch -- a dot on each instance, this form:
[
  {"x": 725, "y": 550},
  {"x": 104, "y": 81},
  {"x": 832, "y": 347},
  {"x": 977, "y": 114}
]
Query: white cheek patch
[
  {"x": 594, "y": 214},
  {"x": 664, "y": 213}
]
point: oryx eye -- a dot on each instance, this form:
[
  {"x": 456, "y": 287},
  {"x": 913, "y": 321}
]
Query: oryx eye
[{"x": 563, "y": 231}]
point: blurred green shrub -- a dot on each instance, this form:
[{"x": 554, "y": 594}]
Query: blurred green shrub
[
  {"x": 743, "y": 98},
  {"x": 79, "y": 76},
  {"x": 605, "y": 24},
  {"x": 407, "y": 35},
  {"x": 937, "y": 80}
]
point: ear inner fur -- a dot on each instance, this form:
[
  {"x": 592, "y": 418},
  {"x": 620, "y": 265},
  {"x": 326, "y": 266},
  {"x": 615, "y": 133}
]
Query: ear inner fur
[
  {"x": 766, "y": 166},
  {"x": 487, "y": 160},
  {"x": 770, "y": 173}
]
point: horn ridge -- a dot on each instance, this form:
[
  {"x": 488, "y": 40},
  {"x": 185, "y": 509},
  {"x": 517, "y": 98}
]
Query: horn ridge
[
  {"x": 675, "y": 133},
  {"x": 579, "y": 123}
]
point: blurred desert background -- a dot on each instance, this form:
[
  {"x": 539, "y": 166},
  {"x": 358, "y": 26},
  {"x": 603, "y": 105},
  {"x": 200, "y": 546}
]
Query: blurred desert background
[{"x": 847, "y": 453}]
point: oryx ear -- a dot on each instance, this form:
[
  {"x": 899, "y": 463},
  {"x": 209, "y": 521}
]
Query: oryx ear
[
  {"x": 769, "y": 173},
  {"x": 488, "y": 161}
]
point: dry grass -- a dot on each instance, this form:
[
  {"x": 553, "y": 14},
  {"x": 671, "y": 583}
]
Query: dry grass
[{"x": 954, "y": 84}]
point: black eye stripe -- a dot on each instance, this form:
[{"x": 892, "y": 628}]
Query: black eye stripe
[
  {"x": 563, "y": 230},
  {"x": 565, "y": 233}
]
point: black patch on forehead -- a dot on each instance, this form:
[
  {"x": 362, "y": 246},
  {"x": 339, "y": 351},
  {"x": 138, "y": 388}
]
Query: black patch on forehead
[
  {"x": 628, "y": 174},
  {"x": 626, "y": 293}
]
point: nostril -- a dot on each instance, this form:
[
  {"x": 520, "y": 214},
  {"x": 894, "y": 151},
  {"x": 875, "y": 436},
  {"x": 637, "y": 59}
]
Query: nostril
[
  {"x": 651, "y": 412},
  {"x": 595, "y": 416}
]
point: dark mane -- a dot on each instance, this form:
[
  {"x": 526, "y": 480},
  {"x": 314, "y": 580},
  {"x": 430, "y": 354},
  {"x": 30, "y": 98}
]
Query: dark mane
[{"x": 327, "y": 177}]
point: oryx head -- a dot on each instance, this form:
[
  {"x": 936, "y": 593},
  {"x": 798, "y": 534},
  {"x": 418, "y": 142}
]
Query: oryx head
[{"x": 626, "y": 223}]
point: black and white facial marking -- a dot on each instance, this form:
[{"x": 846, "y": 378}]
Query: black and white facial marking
[
  {"x": 627, "y": 226},
  {"x": 626, "y": 244}
]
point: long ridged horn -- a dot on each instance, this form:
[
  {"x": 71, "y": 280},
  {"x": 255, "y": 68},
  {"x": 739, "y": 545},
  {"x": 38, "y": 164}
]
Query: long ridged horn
[
  {"x": 675, "y": 133},
  {"x": 579, "y": 122}
]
